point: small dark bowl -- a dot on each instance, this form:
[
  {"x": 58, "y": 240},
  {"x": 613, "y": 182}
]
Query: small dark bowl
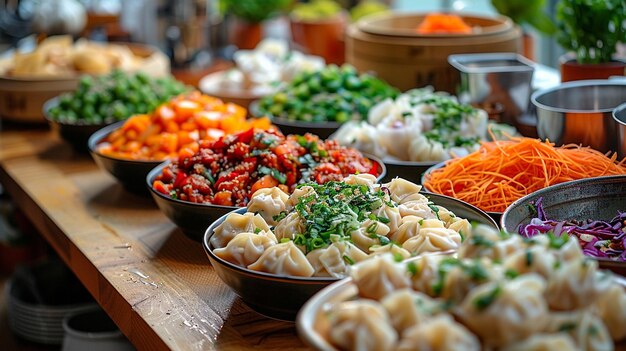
[
  {"x": 274, "y": 296},
  {"x": 192, "y": 218},
  {"x": 76, "y": 134},
  {"x": 322, "y": 129},
  {"x": 495, "y": 215},
  {"x": 593, "y": 198},
  {"x": 259, "y": 290},
  {"x": 409, "y": 170},
  {"x": 130, "y": 173}
]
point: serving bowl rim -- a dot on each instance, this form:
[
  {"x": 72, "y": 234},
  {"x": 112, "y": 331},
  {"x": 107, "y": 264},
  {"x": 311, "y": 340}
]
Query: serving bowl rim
[{"x": 572, "y": 85}]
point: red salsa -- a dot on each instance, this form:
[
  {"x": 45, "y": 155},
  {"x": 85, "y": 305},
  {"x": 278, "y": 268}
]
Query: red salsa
[{"x": 228, "y": 171}]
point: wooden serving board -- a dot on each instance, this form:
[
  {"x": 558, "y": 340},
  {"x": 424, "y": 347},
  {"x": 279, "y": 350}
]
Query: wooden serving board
[{"x": 155, "y": 283}]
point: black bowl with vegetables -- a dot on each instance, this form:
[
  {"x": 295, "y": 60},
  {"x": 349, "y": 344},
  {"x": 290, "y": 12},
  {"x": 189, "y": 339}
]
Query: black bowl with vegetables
[
  {"x": 130, "y": 173},
  {"x": 319, "y": 102},
  {"x": 101, "y": 101}
]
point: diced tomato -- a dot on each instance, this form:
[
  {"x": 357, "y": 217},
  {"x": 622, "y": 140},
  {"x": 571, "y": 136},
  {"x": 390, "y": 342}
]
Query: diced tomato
[
  {"x": 267, "y": 181},
  {"x": 223, "y": 198}
]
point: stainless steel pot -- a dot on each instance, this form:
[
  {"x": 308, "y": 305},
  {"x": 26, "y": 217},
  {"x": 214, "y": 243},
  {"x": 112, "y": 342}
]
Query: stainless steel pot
[
  {"x": 619, "y": 116},
  {"x": 579, "y": 112}
]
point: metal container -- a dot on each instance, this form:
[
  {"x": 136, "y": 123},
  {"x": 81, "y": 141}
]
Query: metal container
[
  {"x": 619, "y": 116},
  {"x": 592, "y": 198},
  {"x": 503, "y": 78},
  {"x": 579, "y": 112}
]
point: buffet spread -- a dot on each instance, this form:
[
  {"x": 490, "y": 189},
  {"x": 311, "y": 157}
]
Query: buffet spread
[{"x": 466, "y": 247}]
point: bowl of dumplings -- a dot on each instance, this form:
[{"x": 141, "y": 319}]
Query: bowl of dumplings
[
  {"x": 500, "y": 291},
  {"x": 298, "y": 244},
  {"x": 418, "y": 129}
]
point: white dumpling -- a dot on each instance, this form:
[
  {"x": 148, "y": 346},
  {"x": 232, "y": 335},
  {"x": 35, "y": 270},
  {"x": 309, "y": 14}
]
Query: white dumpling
[
  {"x": 545, "y": 342},
  {"x": 360, "y": 179},
  {"x": 424, "y": 273},
  {"x": 381, "y": 110},
  {"x": 440, "y": 333},
  {"x": 535, "y": 259},
  {"x": 407, "y": 308},
  {"x": 392, "y": 214},
  {"x": 457, "y": 278},
  {"x": 484, "y": 241},
  {"x": 245, "y": 248},
  {"x": 335, "y": 260},
  {"x": 396, "y": 137},
  {"x": 433, "y": 240},
  {"x": 378, "y": 276},
  {"x": 461, "y": 226},
  {"x": 268, "y": 202},
  {"x": 587, "y": 330},
  {"x": 361, "y": 325},
  {"x": 283, "y": 259},
  {"x": 395, "y": 250},
  {"x": 303, "y": 191},
  {"x": 575, "y": 284},
  {"x": 611, "y": 308},
  {"x": 402, "y": 191},
  {"x": 445, "y": 215},
  {"x": 234, "y": 224},
  {"x": 369, "y": 234},
  {"x": 501, "y": 313},
  {"x": 424, "y": 149},
  {"x": 289, "y": 226},
  {"x": 420, "y": 208},
  {"x": 361, "y": 136},
  {"x": 409, "y": 227}
]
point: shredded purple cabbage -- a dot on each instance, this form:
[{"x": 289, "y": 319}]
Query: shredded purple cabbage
[{"x": 599, "y": 239}]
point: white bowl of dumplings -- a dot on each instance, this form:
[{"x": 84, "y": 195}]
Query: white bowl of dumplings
[
  {"x": 257, "y": 255},
  {"x": 500, "y": 292}
]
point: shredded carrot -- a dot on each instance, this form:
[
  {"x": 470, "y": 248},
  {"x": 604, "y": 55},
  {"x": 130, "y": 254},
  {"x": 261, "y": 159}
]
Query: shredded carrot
[
  {"x": 443, "y": 23},
  {"x": 501, "y": 172}
]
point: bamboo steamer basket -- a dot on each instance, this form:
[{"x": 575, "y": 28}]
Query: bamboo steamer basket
[
  {"x": 22, "y": 98},
  {"x": 389, "y": 45}
]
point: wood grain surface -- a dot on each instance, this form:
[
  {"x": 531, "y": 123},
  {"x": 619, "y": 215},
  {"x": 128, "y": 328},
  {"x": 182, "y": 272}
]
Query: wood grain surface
[{"x": 155, "y": 283}]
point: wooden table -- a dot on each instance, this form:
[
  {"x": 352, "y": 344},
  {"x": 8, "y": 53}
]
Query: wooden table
[{"x": 155, "y": 283}]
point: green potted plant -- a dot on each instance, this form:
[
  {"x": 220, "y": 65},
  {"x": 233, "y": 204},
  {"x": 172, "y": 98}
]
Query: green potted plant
[
  {"x": 526, "y": 13},
  {"x": 591, "y": 30},
  {"x": 245, "y": 31}
]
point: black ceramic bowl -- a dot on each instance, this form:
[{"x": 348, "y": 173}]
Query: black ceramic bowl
[
  {"x": 322, "y": 129},
  {"x": 281, "y": 297},
  {"x": 593, "y": 198},
  {"x": 192, "y": 218},
  {"x": 409, "y": 170},
  {"x": 130, "y": 173},
  {"x": 76, "y": 134},
  {"x": 495, "y": 215}
]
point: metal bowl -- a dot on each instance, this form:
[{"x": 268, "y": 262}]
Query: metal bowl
[
  {"x": 258, "y": 289},
  {"x": 409, "y": 170},
  {"x": 619, "y": 116},
  {"x": 130, "y": 173},
  {"x": 494, "y": 215},
  {"x": 592, "y": 198},
  {"x": 579, "y": 112}
]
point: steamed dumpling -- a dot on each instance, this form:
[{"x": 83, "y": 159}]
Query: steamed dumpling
[
  {"x": 283, "y": 259},
  {"x": 611, "y": 308},
  {"x": 535, "y": 259},
  {"x": 409, "y": 227},
  {"x": 361, "y": 325},
  {"x": 268, "y": 202},
  {"x": 289, "y": 226},
  {"x": 360, "y": 179},
  {"x": 245, "y": 248},
  {"x": 391, "y": 248},
  {"x": 424, "y": 149},
  {"x": 587, "y": 330},
  {"x": 486, "y": 242},
  {"x": 335, "y": 260},
  {"x": 369, "y": 234},
  {"x": 501, "y": 313},
  {"x": 433, "y": 240},
  {"x": 407, "y": 308},
  {"x": 402, "y": 191},
  {"x": 234, "y": 224},
  {"x": 392, "y": 214},
  {"x": 575, "y": 284},
  {"x": 545, "y": 342},
  {"x": 441, "y": 333},
  {"x": 302, "y": 191},
  {"x": 378, "y": 276}
]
